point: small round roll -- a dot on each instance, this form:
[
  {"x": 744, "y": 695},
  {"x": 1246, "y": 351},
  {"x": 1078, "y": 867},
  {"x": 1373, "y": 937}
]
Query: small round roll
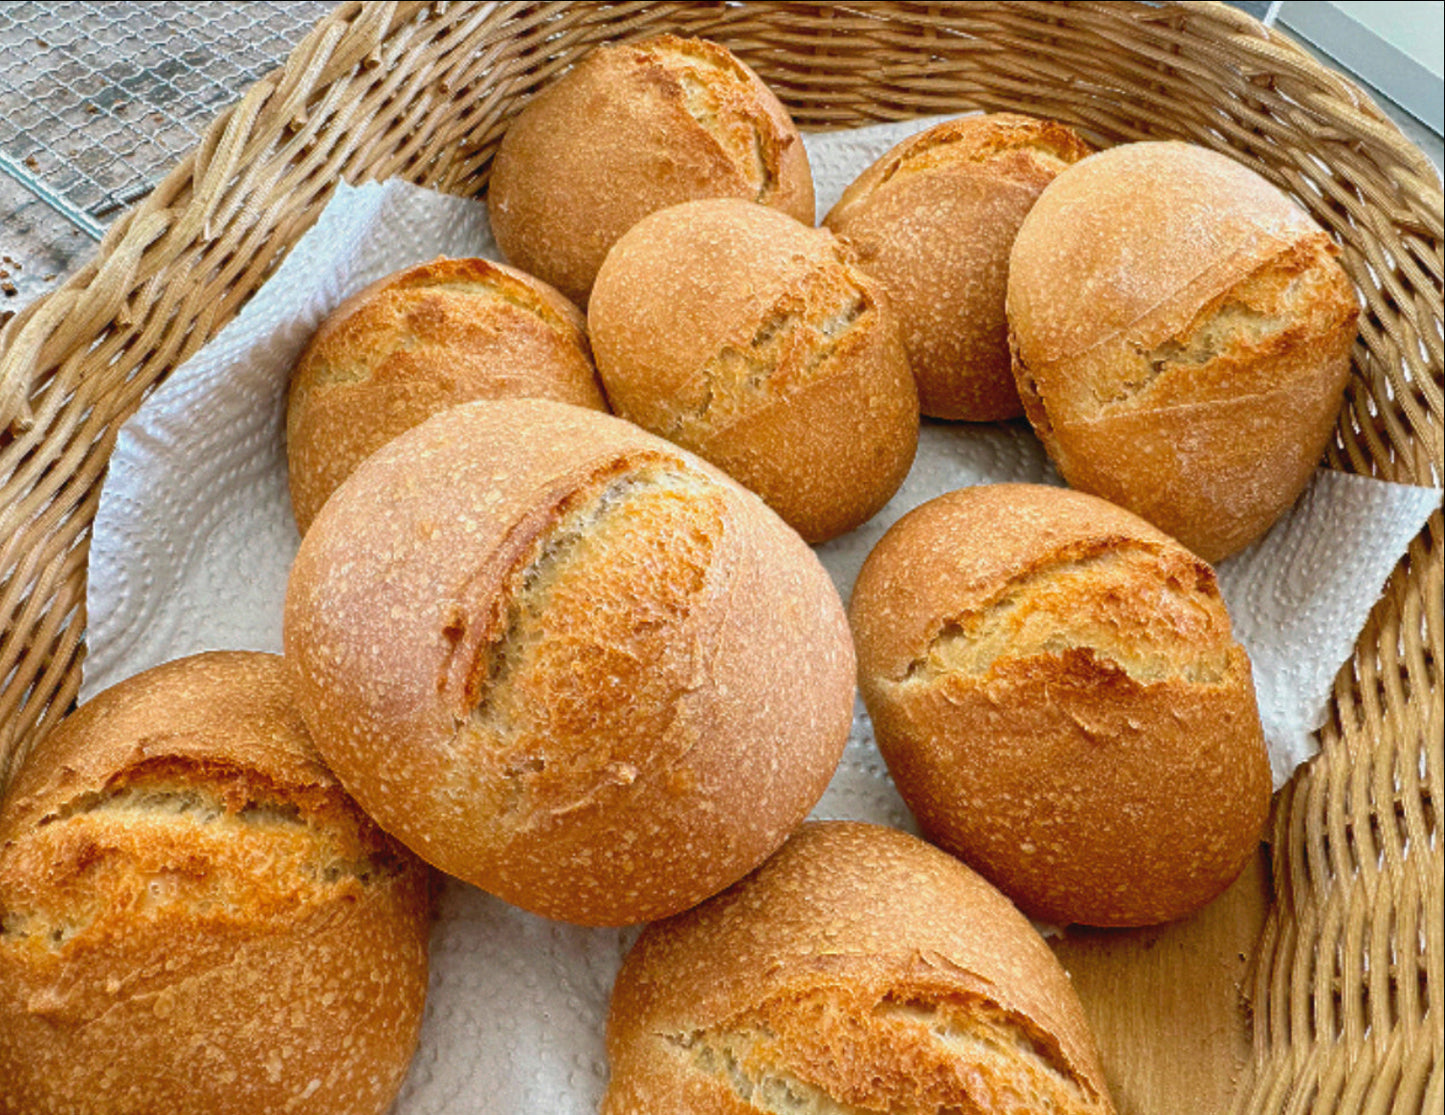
[
  {"x": 195, "y": 918},
  {"x": 1057, "y": 693},
  {"x": 568, "y": 662},
  {"x": 858, "y": 970},
  {"x": 752, "y": 340},
  {"x": 429, "y": 337},
  {"x": 634, "y": 128},
  {"x": 933, "y": 220},
  {"x": 1181, "y": 335}
]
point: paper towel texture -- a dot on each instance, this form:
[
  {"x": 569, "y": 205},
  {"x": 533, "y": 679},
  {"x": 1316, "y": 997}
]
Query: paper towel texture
[{"x": 194, "y": 537}]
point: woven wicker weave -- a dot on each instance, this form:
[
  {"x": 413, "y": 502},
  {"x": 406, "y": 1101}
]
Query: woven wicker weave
[{"x": 1348, "y": 974}]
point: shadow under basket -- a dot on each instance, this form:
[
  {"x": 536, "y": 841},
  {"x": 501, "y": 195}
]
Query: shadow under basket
[{"x": 1314, "y": 984}]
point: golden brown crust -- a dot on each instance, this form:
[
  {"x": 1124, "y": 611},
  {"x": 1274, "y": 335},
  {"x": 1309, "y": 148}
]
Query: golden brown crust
[
  {"x": 413, "y": 343},
  {"x": 635, "y": 128},
  {"x": 857, "y": 971},
  {"x": 752, "y": 341},
  {"x": 194, "y": 917},
  {"x": 933, "y": 220},
  {"x": 1181, "y": 336},
  {"x": 1059, "y": 698},
  {"x": 567, "y": 661}
]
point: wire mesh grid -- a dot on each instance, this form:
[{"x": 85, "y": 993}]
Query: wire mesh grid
[{"x": 101, "y": 99}]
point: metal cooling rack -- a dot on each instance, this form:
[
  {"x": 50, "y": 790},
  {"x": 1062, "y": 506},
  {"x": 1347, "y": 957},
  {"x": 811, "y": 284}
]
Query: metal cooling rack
[{"x": 99, "y": 100}]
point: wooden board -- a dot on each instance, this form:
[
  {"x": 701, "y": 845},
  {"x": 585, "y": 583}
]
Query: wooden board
[{"x": 1168, "y": 1004}]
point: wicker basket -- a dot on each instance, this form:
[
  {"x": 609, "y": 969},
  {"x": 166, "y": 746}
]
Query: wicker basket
[{"x": 1315, "y": 984}]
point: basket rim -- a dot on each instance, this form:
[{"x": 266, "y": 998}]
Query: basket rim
[{"x": 22, "y": 346}]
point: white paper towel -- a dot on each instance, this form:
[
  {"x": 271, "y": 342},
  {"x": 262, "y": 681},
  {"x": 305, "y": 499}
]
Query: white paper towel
[{"x": 194, "y": 537}]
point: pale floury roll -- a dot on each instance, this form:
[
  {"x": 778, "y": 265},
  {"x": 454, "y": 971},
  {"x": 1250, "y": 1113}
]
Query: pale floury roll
[
  {"x": 634, "y": 128},
  {"x": 755, "y": 342},
  {"x": 567, "y": 661},
  {"x": 194, "y": 917},
  {"x": 1057, "y": 692},
  {"x": 934, "y": 220},
  {"x": 857, "y": 971},
  {"x": 429, "y": 337},
  {"x": 1181, "y": 333}
]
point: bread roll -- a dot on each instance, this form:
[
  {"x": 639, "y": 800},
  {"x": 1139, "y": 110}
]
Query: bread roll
[
  {"x": 429, "y": 337},
  {"x": 753, "y": 341},
  {"x": 1055, "y": 688},
  {"x": 857, "y": 971},
  {"x": 568, "y": 662},
  {"x": 635, "y": 128},
  {"x": 1181, "y": 334},
  {"x": 933, "y": 220},
  {"x": 194, "y": 917}
]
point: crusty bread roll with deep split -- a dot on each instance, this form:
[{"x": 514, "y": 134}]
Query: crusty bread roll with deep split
[
  {"x": 567, "y": 661},
  {"x": 429, "y": 337},
  {"x": 637, "y": 127},
  {"x": 1181, "y": 333},
  {"x": 1057, "y": 692},
  {"x": 195, "y": 918},
  {"x": 933, "y": 220},
  {"x": 752, "y": 340},
  {"x": 857, "y": 971}
]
